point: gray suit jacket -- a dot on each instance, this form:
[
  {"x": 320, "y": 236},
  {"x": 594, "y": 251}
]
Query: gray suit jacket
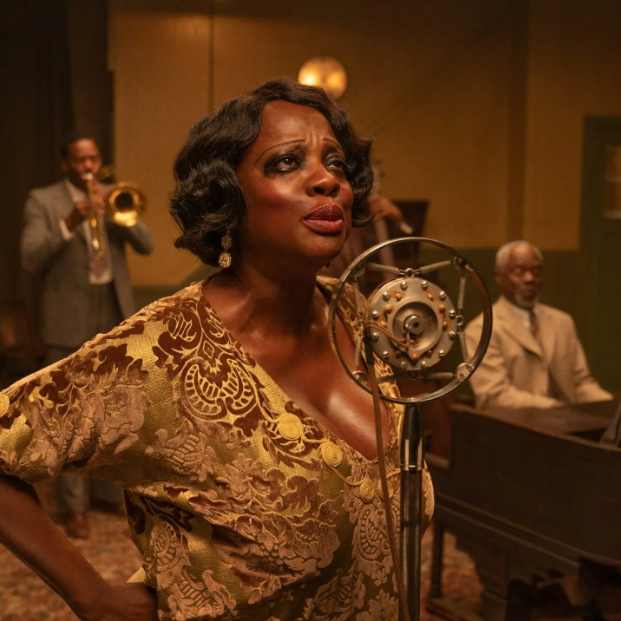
[
  {"x": 518, "y": 368},
  {"x": 64, "y": 265}
]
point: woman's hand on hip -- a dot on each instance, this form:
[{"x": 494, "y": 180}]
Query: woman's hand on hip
[
  {"x": 27, "y": 530},
  {"x": 126, "y": 602}
]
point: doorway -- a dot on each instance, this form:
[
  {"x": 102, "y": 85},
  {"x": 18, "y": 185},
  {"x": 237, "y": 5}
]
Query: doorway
[{"x": 600, "y": 249}]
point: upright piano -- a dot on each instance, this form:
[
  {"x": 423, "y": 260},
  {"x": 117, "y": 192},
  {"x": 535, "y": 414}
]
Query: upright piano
[{"x": 527, "y": 493}]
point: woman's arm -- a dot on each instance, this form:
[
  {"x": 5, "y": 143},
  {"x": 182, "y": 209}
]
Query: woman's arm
[{"x": 28, "y": 532}]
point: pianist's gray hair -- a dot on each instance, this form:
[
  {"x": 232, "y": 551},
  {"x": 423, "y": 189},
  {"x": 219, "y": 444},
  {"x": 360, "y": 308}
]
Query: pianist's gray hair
[{"x": 502, "y": 256}]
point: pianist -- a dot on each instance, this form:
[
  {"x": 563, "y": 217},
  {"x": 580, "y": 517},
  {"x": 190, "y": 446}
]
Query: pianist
[{"x": 534, "y": 358}]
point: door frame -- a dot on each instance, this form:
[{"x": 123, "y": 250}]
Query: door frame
[{"x": 599, "y": 131}]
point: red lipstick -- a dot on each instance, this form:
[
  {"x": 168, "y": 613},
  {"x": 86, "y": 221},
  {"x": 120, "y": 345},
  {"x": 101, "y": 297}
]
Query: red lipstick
[{"x": 327, "y": 219}]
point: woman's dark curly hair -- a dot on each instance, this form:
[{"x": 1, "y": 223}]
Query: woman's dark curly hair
[{"x": 208, "y": 199}]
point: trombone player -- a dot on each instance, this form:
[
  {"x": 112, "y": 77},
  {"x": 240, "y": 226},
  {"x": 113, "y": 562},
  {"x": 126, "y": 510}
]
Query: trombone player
[{"x": 79, "y": 253}]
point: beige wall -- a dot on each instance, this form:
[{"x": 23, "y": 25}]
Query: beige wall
[
  {"x": 159, "y": 58},
  {"x": 573, "y": 71},
  {"x": 476, "y": 107},
  {"x": 451, "y": 146}
]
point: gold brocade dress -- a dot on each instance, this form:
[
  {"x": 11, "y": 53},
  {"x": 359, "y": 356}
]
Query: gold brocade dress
[{"x": 242, "y": 506}]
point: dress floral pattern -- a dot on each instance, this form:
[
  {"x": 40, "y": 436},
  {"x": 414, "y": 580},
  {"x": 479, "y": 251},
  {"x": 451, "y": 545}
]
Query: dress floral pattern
[{"x": 242, "y": 506}]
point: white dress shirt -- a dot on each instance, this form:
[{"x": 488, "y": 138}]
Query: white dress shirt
[
  {"x": 100, "y": 271},
  {"x": 524, "y": 314}
]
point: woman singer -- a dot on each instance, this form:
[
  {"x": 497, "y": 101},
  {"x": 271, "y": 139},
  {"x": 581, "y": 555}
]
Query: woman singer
[{"x": 247, "y": 455}]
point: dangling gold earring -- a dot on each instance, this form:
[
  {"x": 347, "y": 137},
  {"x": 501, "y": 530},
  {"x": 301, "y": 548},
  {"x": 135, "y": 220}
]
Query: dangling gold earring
[{"x": 224, "y": 260}]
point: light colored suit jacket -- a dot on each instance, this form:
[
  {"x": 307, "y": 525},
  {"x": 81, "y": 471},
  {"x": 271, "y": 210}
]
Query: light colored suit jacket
[
  {"x": 64, "y": 265},
  {"x": 518, "y": 369}
]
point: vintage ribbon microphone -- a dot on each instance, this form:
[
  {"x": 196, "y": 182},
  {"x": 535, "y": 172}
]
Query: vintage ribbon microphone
[{"x": 411, "y": 324}]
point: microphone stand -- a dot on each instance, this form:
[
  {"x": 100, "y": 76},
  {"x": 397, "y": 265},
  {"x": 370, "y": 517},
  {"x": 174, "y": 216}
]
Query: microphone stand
[
  {"x": 407, "y": 559},
  {"x": 411, "y": 506}
]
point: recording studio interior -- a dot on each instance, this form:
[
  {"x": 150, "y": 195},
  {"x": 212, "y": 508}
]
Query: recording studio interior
[{"x": 495, "y": 161}]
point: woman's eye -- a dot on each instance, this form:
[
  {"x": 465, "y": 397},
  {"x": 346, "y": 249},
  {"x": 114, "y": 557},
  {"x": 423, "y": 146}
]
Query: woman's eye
[
  {"x": 284, "y": 163},
  {"x": 337, "y": 162}
]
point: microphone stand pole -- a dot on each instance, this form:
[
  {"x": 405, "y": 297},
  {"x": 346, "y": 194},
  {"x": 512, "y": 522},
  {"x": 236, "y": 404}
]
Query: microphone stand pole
[{"x": 411, "y": 506}]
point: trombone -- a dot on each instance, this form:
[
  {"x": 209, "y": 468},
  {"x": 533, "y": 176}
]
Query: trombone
[{"x": 124, "y": 202}]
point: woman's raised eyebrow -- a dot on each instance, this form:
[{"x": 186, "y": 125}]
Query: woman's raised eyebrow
[{"x": 280, "y": 144}]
